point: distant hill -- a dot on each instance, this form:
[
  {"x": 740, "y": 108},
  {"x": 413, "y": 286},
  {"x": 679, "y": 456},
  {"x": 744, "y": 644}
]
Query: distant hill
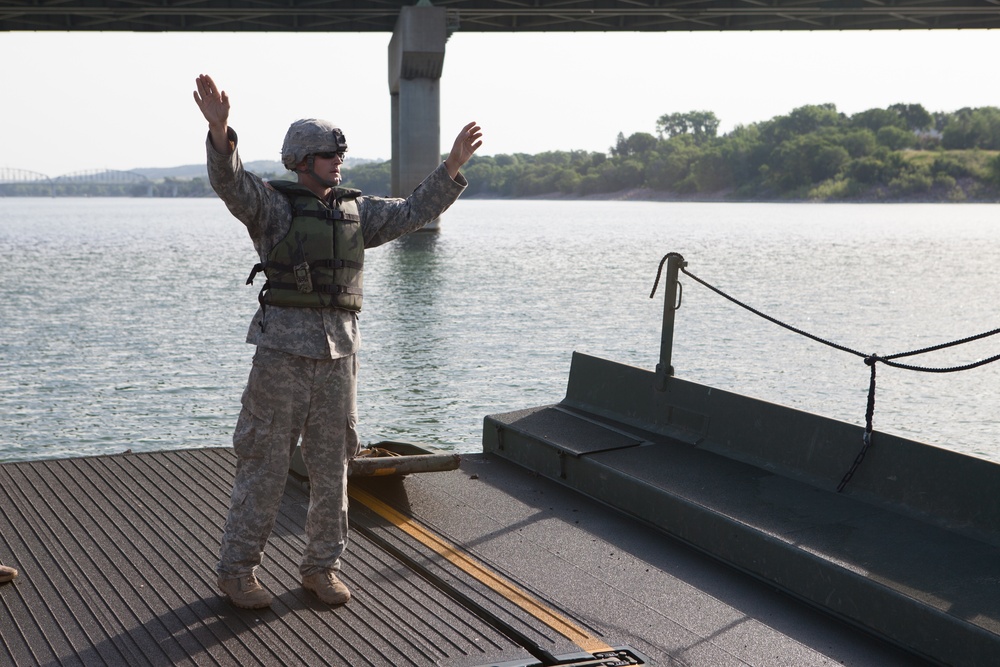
[{"x": 261, "y": 167}]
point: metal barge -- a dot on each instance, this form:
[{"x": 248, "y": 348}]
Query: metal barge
[
  {"x": 487, "y": 564},
  {"x": 643, "y": 520}
]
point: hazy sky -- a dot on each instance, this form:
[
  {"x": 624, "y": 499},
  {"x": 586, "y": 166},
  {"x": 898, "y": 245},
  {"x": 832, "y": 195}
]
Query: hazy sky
[{"x": 75, "y": 101}]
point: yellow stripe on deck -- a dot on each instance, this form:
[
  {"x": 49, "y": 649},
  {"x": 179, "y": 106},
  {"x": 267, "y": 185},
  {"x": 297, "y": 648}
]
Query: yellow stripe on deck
[{"x": 507, "y": 589}]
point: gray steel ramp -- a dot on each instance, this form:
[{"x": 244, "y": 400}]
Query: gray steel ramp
[
  {"x": 117, "y": 554},
  {"x": 619, "y": 580},
  {"x": 934, "y": 591}
]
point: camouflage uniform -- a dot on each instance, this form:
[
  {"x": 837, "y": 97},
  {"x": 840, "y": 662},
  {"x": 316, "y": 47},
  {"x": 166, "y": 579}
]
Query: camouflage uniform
[{"x": 304, "y": 376}]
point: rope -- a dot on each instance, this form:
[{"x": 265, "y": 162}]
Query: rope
[{"x": 870, "y": 359}]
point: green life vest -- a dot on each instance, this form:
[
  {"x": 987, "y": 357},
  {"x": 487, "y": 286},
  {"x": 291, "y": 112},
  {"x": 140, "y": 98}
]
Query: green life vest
[{"x": 318, "y": 264}]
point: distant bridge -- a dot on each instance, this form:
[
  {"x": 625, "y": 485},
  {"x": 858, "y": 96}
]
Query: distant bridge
[
  {"x": 13, "y": 180},
  {"x": 101, "y": 176},
  {"x": 497, "y": 16},
  {"x": 10, "y": 175}
]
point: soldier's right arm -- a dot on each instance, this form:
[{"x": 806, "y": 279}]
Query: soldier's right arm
[
  {"x": 265, "y": 211},
  {"x": 248, "y": 198}
]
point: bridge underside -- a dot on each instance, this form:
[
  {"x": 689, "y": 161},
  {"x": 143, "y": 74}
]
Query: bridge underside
[{"x": 492, "y": 16}]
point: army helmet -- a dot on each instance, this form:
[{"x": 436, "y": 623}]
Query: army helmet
[{"x": 309, "y": 136}]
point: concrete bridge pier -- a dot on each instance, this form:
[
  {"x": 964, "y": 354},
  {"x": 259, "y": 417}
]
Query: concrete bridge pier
[{"x": 416, "y": 58}]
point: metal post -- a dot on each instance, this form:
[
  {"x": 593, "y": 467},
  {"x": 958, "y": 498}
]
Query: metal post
[{"x": 672, "y": 293}]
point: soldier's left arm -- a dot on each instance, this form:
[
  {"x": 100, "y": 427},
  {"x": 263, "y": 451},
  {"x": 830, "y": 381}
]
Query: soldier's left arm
[{"x": 384, "y": 219}]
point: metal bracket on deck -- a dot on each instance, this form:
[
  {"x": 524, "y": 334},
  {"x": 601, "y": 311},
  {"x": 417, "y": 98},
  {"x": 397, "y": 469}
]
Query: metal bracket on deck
[
  {"x": 618, "y": 657},
  {"x": 388, "y": 458},
  {"x": 621, "y": 656}
]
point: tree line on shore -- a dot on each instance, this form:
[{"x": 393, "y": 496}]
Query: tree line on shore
[
  {"x": 900, "y": 153},
  {"x": 815, "y": 153}
]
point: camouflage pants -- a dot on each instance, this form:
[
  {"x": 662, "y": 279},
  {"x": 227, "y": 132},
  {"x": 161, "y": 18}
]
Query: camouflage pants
[{"x": 288, "y": 396}]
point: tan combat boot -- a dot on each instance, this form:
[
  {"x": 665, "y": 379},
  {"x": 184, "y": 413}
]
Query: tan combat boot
[
  {"x": 327, "y": 587},
  {"x": 245, "y": 592},
  {"x": 7, "y": 574}
]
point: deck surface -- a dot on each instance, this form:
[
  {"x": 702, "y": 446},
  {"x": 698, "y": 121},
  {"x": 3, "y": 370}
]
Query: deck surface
[{"x": 483, "y": 565}]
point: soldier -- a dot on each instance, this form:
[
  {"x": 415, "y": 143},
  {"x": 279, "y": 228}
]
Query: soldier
[
  {"x": 7, "y": 574},
  {"x": 310, "y": 235}
]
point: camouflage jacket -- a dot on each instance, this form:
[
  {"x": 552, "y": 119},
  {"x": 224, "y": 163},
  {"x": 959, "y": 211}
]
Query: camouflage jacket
[{"x": 318, "y": 333}]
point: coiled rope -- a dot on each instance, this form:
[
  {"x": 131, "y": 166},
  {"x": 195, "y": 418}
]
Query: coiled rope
[{"x": 870, "y": 359}]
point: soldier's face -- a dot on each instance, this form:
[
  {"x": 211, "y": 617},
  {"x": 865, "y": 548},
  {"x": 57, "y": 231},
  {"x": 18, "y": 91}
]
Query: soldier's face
[{"x": 327, "y": 166}]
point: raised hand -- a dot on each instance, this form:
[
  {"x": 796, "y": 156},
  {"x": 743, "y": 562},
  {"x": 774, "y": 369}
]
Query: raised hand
[
  {"x": 214, "y": 105},
  {"x": 466, "y": 143}
]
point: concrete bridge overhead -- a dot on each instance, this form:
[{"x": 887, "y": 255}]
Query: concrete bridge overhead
[
  {"x": 420, "y": 32},
  {"x": 498, "y": 16}
]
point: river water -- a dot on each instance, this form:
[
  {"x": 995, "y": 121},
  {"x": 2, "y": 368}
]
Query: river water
[{"x": 122, "y": 321}]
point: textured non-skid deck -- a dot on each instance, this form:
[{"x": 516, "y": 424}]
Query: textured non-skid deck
[
  {"x": 117, "y": 555},
  {"x": 483, "y": 565}
]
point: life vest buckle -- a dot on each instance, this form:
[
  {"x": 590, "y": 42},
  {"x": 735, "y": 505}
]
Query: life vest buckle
[{"x": 257, "y": 268}]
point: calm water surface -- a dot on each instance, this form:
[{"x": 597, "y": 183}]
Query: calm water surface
[{"x": 122, "y": 320}]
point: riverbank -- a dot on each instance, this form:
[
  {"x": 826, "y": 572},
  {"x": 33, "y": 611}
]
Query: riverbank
[
  {"x": 969, "y": 192},
  {"x": 628, "y": 194}
]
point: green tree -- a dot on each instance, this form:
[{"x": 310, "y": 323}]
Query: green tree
[
  {"x": 972, "y": 128},
  {"x": 702, "y": 125},
  {"x": 640, "y": 143},
  {"x": 912, "y": 180},
  {"x": 994, "y": 170},
  {"x": 806, "y": 159},
  {"x": 484, "y": 174},
  {"x": 372, "y": 178},
  {"x": 858, "y": 142},
  {"x": 951, "y": 166},
  {"x": 745, "y": 152},
  {"x": 801, "y": 121},
  {"x": 620, "y": 149},
  {"x": 868, "y": 170},
  {"x": 712, "y": 170},
  {"x": 671, "y": 162},
  {"x": 915, "y": 116},
  {"x": 896, "y": 138},
  {"x": 505, "y": 160},
  {"x": 567, "y": 181},
  {"x": 876, "y": 119}
]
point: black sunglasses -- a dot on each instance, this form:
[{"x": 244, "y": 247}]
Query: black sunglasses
[{"x": 330, "y": 155}]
